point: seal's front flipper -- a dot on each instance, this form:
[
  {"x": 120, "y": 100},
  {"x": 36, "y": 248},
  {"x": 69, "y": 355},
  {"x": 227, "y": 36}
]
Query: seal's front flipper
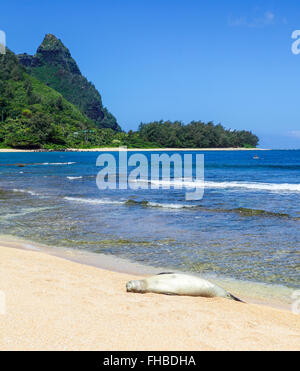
[{"x": 236, "y": 299}]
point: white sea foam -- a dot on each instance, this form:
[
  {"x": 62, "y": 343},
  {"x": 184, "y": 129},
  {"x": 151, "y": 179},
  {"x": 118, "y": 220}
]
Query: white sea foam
[
  {"x": 74, "y": 177},
  {"x": 32, "y": 193},
  {"x": 171, "y": 206},
  {"x": 272, "y": 187},
  {"x": 107, "y": 201},
  {"x": 95, "y": 201},
  {"x": 57, "y": 163}
]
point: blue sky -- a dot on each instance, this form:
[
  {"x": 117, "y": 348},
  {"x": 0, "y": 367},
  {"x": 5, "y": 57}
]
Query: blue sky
[{"x": 225, "y": 61}]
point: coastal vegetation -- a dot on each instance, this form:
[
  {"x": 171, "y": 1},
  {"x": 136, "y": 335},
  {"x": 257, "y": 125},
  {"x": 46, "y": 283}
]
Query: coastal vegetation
[
  {"x": 54, "y": 66},
  {"x": 32, "y": 115},
  {"x": 45, "y": 103},
  {"x": 196, "y": 134}
]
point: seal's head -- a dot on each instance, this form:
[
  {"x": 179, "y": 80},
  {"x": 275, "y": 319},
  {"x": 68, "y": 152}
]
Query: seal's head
[{"x": 135, "y": 286}]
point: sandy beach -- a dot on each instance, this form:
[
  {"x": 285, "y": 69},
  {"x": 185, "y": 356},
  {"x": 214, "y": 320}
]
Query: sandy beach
[
  {"x": 138, "y": 149},
  {"x": 56, "y": 304}
]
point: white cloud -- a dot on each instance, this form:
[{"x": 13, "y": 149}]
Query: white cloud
[
  {"x": 269, "y": 16},
  {"x": 294, "y": 133},
  {"x": 266, "y": 19}
]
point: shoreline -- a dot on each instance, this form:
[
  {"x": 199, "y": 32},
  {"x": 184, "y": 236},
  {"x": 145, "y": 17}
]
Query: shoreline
[
  {"x": 56, "y": 304},
  {"x": 116, "y": 149},
  {"x": 257, "y": 293}
]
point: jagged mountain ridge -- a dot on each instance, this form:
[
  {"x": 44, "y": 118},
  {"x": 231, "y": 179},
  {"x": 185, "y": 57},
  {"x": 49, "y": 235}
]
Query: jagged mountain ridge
[
  {"x": 53, "y": 65},
  {"x": 33, "y": 115}
]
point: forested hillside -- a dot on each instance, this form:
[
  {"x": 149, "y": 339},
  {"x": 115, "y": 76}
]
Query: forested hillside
[
  {"x": 32, "y": 115},
  {"x": 54, "y": 66}
]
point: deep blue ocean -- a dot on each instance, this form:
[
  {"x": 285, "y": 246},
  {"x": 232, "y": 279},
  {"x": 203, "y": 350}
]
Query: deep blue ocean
[{"x": 53, "y": 199}]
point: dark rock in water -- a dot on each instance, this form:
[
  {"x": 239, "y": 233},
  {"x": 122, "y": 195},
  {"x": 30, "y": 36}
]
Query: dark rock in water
[
  {"x": 131, "y": 202},
  {"x": 256, "y": 212},
  {"x": 54, "y": 66}
]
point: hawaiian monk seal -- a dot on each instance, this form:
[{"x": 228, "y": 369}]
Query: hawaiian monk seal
[{"x": 179, "y": 284}]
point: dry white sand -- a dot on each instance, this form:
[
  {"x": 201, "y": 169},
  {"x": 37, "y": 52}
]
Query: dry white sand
[{"x": 56, "y": 304}]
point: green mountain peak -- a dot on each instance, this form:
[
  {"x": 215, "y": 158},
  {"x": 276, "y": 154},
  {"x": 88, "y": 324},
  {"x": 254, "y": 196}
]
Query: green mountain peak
[
  {"x": 53, "y": 52},
  {"x": 53, "y": 65},
  {"x": 33, "y": 115},
  {"x": 51, "y": 41}
]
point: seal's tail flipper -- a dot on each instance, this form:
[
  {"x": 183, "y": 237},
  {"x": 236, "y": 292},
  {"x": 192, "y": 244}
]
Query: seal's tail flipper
[{"x": 235, "y": 298}]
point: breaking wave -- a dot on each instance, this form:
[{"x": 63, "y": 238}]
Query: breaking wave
[
  {"x": 272, "y": 187},
  {"x": 158, "y": 204},
  {"x": 56, "y": 163},
  {"x": 95, "y": 201},
  {"x": 40, "y": 164},
  {"x": 32, "y": 193},
  {"x": 107, "y": 201},
  {"x": 74, "y": 177}
]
